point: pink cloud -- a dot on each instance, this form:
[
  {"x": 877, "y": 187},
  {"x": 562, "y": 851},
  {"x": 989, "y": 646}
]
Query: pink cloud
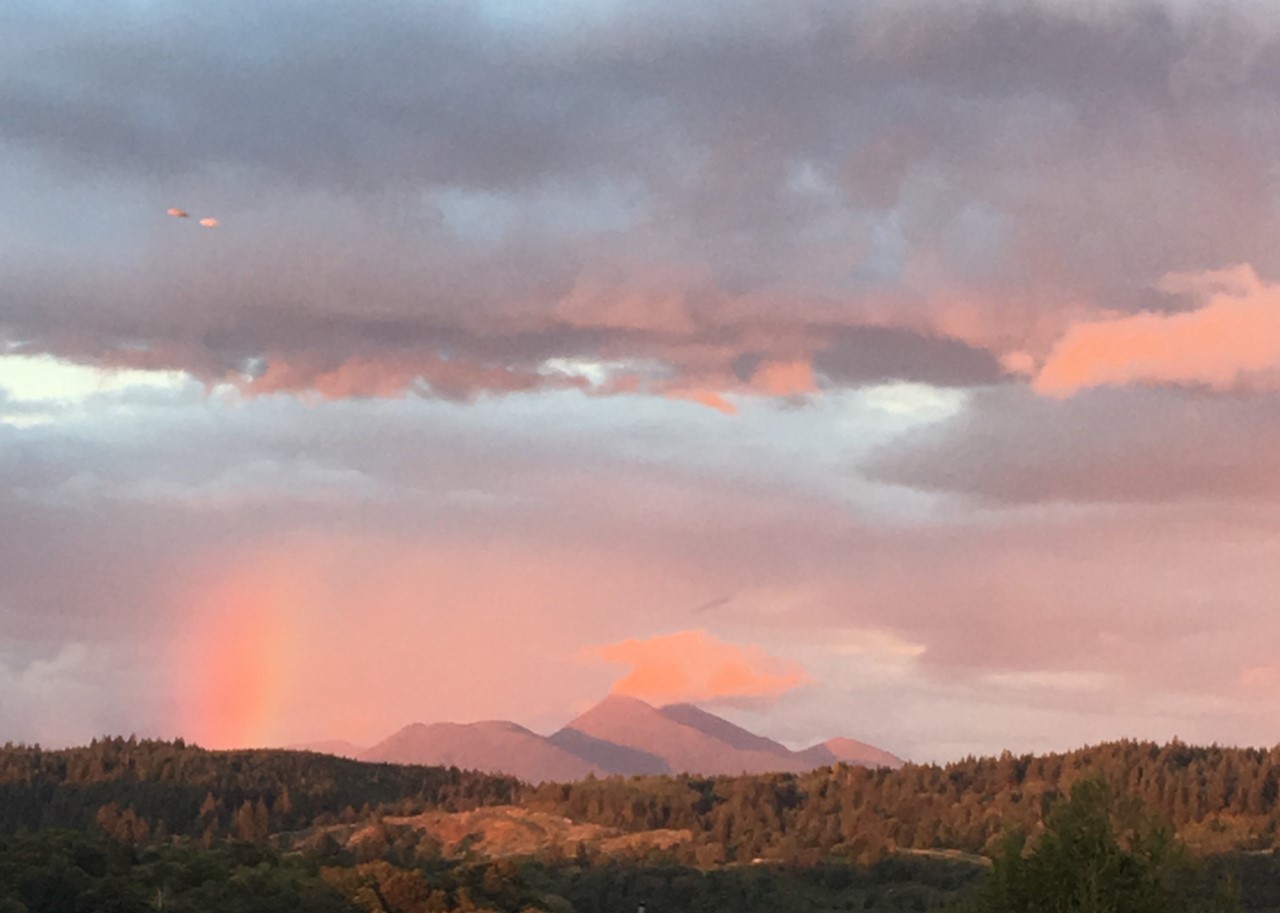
[
  {"x": 1022, "y": 363},
  {"x": 709, "y": 398},
  {"x": 694, "y": 666},
  {"x": 593, "y": 303},
  {"x": 392, "y": 375},
  {"x": 1233, "y": 339},
  {"x": 784, "y": 378}
]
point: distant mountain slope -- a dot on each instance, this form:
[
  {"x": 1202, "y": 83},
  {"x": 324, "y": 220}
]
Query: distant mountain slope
[
  {"x": 496, "y": 746},
  {"x": 616, "y": 759},
  {"x": 849, "y": 751},
  {"x": 619, "y": 736},
  {"x": 338, "y": 747},
  {"x": 722, "y": 729}
]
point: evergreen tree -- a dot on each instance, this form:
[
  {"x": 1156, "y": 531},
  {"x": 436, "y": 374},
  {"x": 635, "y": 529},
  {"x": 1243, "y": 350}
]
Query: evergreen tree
[{"x": 1095, "y": 856}]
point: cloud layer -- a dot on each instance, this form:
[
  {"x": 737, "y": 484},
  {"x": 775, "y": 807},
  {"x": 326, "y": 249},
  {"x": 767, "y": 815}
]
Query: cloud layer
[{"x": 455, "y": 199}]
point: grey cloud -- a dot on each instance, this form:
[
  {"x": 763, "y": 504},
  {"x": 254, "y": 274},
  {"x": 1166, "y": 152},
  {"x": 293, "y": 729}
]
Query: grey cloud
[
  {"x": 59, "y": 699},
  {"x": 1109, "y": 445},
  {"x": 405, "y": 178},
  {"x": 345, "y": 97},
  {"x": 103, "y": 514},
  {"x": 860, "y": 355},
  {"x": 440, "y": 93}
]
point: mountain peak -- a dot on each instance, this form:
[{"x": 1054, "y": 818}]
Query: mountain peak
[
  {"x": 620, "y": 735},
  {"x": 688, "y": 739},
  {"x": 850, "y": 751},
  {"x": 614, "y": 706},
  {"x": 624, "y": 703}
]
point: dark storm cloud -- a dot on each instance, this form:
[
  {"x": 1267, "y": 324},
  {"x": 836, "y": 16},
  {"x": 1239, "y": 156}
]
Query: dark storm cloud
[
  {"x": 443, "y": 93},
  {"x": 466, "y": 182}
]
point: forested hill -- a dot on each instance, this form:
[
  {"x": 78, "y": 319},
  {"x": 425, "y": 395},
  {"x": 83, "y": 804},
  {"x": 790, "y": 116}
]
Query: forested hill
[
  {"x": 184, "y": 790},
  {"x": 1219, "y": 798}
]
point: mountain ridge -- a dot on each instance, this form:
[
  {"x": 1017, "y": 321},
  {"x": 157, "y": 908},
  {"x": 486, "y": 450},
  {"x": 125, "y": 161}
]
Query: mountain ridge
[
  {"x": 620, "y": 735},
  {"x": 492, "y": 746}
]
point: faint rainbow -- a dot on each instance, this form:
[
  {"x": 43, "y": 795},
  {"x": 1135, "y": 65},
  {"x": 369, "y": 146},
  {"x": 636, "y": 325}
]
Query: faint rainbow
[{"x": 238, "y": 657}]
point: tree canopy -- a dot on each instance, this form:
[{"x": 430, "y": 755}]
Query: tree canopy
[{"x": 1096, "y": 855}]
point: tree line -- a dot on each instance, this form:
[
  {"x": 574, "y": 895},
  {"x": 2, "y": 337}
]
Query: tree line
[
  {"x": 137, "y": 789},
  {"x": 1218, "y": 799}
]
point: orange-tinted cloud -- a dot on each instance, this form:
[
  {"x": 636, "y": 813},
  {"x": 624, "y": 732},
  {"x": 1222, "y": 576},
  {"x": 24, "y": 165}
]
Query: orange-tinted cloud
[
  {"x": 1018, "y": 363},
  {"x": 1260, "y": 678},
  {"x": 784, "y": 378},
  {"x": 694, "y": 666},
  {"x": 598, "y": 304},
  {"x": 709, "y": 398},
  {"x": 1233, "y": 338},
  {"x": 395, "y": 375}
]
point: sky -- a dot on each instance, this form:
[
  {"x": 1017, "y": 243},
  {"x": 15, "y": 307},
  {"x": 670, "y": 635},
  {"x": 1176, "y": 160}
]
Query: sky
[{"x": 906, "y": 371}]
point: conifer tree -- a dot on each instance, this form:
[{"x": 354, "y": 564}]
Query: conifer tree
[{"x": 1095, "y": 856}]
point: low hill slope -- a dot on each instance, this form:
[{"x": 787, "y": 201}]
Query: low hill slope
[{"x": 502, "y": 831}]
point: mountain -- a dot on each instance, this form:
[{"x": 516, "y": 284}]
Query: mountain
[
  {"x": 721, "y": 729},
  {"x": 620, "y": 735},
  {"x": 609, "y": 755},
  {"x": 491, "y": 747},
  {"x": 850, "y": 751},
  {"x": 685, "y": 748},
  {"x": 338, "y": 747}
]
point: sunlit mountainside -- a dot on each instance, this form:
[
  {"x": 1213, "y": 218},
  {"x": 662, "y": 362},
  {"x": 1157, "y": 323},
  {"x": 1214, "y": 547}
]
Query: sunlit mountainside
[{"x": 619, "y": 736}]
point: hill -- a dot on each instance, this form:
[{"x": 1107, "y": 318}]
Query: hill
[
  {"x": 1219, "y": 799},
  {"x": 503, "y": 831},
  {"x": 183, "y": 789}
]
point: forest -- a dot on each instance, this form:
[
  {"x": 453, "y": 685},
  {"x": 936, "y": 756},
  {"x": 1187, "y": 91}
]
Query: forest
[{"x": 131, "y": 824}]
